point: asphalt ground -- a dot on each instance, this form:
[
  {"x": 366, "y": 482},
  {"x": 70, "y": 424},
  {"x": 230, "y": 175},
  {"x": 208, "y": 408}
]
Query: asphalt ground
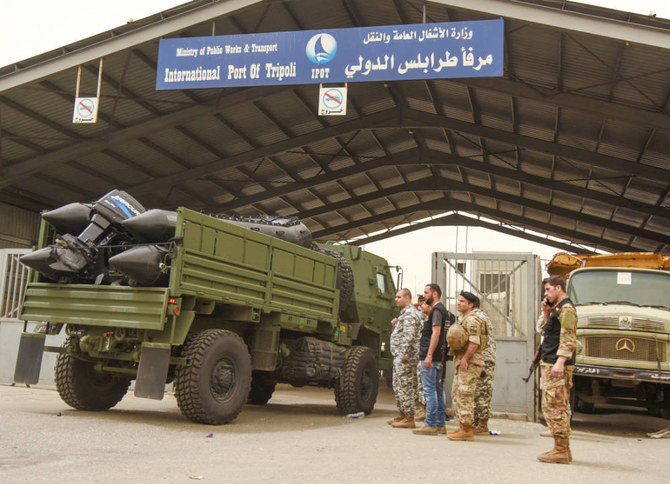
[{"x": 299, "y": 437}]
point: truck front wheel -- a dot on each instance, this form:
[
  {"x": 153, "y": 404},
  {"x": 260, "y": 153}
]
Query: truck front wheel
[
  {"x": 357, "y": 389},
  {"x": 81, "y": 387},
  {"x": 215, "y": 386}
]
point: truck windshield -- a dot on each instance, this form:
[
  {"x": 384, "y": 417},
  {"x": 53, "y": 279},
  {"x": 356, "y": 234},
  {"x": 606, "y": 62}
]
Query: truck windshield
[{"x": 642, "y": 288}]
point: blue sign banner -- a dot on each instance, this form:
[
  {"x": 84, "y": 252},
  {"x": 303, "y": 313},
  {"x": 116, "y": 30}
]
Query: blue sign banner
[{"x": 384, "y": 53}]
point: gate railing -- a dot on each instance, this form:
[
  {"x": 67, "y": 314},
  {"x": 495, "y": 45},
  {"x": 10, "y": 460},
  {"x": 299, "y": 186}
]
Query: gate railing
[
  {"x": 508, "y": 286},
  {"x": 13, "y": 280}
]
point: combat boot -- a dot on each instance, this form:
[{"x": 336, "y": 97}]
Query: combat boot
[
  {"x": 482, "y": 427},
  {"x": 464, "y": 432},
  {"x": 397, "y": 418},
  {"x": 453, "y": 431},
  {"x": 426, "y": 430},
  {"x": 420, "y": 413},
  {"x": 560, "y": 454},
  {"x": 405, "y": 423},
  {"x": 442, "y": 430}
]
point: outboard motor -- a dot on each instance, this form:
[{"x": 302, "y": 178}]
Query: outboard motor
[{"x": 74, "y": 258}]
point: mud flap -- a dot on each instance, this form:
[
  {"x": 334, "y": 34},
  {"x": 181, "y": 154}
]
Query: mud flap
[
  {"x": 152, "y": 372},
  {"x": 29, "y": 359}
]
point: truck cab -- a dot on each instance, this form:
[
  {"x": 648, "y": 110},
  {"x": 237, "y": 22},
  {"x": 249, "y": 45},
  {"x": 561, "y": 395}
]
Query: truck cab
[{"x": 624, "y": 332}]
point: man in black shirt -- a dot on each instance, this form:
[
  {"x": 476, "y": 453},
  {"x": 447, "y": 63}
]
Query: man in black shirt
[{"x": 431, "y": 356}]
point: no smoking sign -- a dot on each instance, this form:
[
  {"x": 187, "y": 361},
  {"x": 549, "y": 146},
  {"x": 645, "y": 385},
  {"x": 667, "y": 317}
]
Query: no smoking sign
[
  {"x": 85, "y": 110},
  {"x": 332, "y": 101}
]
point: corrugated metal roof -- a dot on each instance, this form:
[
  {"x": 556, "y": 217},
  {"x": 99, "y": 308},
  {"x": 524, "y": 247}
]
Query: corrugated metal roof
[{"x": 572, "y": 141}]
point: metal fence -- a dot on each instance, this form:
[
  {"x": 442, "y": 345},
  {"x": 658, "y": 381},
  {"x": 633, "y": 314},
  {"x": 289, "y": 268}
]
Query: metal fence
[{"x": 13, "y": 280}]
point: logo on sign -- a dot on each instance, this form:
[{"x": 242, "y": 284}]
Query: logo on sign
[{"x": 321, "y": 48}]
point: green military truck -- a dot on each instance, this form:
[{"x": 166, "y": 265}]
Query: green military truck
[
  {"x": 623, "y": 331},
  {"x": 223, "y": 311}
]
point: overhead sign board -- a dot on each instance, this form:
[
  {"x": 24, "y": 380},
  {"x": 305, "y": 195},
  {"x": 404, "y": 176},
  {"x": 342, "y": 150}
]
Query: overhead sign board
[{"x": 384, "y": 53}]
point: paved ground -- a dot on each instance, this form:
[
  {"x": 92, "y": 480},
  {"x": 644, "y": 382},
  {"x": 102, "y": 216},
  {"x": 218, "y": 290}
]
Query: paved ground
[{"x": 299, "y": 437}]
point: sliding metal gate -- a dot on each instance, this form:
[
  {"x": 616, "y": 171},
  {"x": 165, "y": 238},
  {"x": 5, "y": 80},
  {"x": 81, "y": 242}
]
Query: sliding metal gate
[{"x": 508, "y": 285}]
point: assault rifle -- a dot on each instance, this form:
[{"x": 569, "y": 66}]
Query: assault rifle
[
  {"x": 533, "y": 365},
  {"x": 451, "y": 319}
]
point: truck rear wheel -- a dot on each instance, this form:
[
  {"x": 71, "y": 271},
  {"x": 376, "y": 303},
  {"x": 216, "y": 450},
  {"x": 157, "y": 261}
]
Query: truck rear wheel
[
  {"x": 357, "y": 389},
  {"x": 81, "y": 387},
  {"x": 262, "y": 388},
  {"x": 215, "y": 386}
]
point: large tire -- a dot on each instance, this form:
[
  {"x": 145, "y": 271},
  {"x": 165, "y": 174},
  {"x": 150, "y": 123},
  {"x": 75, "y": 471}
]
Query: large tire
[
  {"x": 357, "y": 389},
  {"x": 81, "y": 387},
  {"x": 345, "y": 277},
  {"x": 215, "y": 386},
  {"x": 262, "y": 388}
]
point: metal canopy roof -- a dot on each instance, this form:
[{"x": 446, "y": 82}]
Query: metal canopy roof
[{"x": 572, "y": 142}]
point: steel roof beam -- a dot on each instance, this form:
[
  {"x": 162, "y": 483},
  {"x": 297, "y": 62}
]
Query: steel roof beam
[
  {"x": 429, "y": 157},
  {"x": 393, "y": 117},
  {"x": 457, "y": 219},
  {"x": 432, "y": 184},
  {"x": 412, "y": 118},
  {"x": 76, "y": 150},
  {"x": 365, "y": 122},
  {"x": 446, "y": 204}
]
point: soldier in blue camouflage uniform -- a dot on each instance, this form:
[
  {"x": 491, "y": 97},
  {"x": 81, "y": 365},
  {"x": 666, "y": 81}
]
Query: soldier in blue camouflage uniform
[
  {"x": 557, "y": 364},
  {"x": 469, "y": 365},
  {"x": 484, "y": 390},
  {"x": 405, "y": 351}
]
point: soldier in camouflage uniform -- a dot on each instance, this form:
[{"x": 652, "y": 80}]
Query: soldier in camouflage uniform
[
  {"x": 484, "y": 390},
  {"x": 405, "y": 351},
  {"x": 469, "y": 365},
  {"x": 557, "y": 364}
]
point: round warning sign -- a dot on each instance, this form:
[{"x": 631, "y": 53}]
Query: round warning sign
[
  {"x": 85, "y": 110},
  {"x": 333, "y": 101}
]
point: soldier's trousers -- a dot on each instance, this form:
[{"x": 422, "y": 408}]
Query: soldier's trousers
[
  {"x": 555, "y": 400},
  {"x": 463, "y": 393},
  {"x": 484, "y": 392},
  {"x": 405, "y": 385}
]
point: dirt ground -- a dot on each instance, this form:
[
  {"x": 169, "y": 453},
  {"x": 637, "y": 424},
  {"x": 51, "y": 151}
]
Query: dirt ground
[{"x": 299, "y": 437}]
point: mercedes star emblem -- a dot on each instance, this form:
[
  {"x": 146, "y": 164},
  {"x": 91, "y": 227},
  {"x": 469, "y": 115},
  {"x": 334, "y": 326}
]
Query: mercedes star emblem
[{"x": 625, "y": 344}]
